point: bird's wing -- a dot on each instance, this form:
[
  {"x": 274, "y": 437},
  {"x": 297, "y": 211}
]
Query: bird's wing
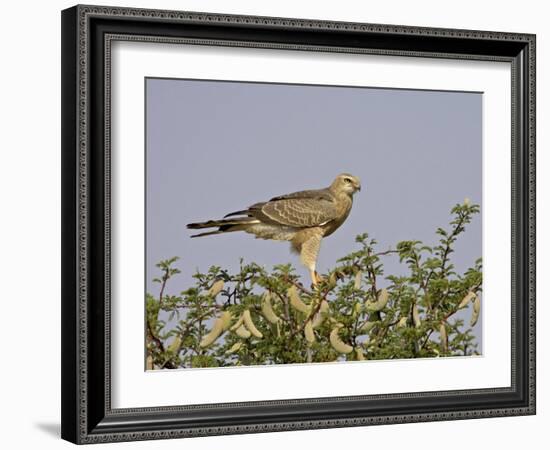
[
  {"x": 321, "y": 194},
  {"x": 299, "y": 209}
]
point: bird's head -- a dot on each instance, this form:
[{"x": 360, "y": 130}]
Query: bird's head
[{"x": 346, "y": 183}]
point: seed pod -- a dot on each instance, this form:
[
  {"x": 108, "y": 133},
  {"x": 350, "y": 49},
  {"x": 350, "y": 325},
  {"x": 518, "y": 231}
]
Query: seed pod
[
  {"x": 295, "y": 300},
  {"x": 216, "y": 288},
  {"x": 175, "y": 345},
  {"x": 267, "y": 309},
  {"x": 467, "y": 202},
  {"x": 359, "y": 353},
  {"x": 467, "y": 299},
  {"x": 235, "y": 347},
  {"x": 242, "y": 332},
  {"x": 443, "y": 334},
  {"x": 321, "y": 314},
  {"x": 308, "y": 332},
  {"x": 247, "y": 318},
  {"x": 477, "y": 304},
  {"x": 416, "y": 316},
  {"x": 337, "y": 343},
  {"x": 214, "y": 333},
  {"x": 332, "y": 280},
  {"x": 383, "y": 298},
  {"x": 367, "y": 326},
  {"x": 370, "y": 306},
  {"x": 237, "y": 324},
  {"x": 226, "y": 318},
  {"x": 476, "y": 311},
  {"x": 358, "y": 279},
  {"x": 380, "y": 303},
  {"x": 149, "y": 363},
  {"x": 332, "y": 320},
  {"x": 402, "y": 322}
]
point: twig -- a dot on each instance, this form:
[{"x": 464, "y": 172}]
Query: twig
[
  {"x": 313, "y": 312},
  {"x": 163, "y": 286},
  {"x": 453, "y": 235},
  {"x": 160, "y": 345},
  {"x": 286, "y": 311},
  {"x": 387, "y": 252},
  {"x": 446, "y": 317},
  {"x": 298, "y": 285}
]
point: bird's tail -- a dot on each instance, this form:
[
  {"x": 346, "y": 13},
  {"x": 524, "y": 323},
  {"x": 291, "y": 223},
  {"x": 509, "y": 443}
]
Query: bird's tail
[{"x": 224, "y": 225}]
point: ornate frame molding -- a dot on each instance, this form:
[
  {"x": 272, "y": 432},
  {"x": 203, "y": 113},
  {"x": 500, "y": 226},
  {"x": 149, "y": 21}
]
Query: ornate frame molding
[{"x": 85, "y": 421}]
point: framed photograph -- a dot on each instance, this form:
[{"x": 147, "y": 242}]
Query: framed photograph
[{"x": 280, "y": 224}]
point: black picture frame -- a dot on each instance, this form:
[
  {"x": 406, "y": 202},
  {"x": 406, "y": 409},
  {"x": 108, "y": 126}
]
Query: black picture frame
[{"x": 87, "y": 415}]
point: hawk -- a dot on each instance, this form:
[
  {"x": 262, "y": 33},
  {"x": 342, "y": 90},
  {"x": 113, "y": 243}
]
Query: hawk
[{"x": 304, "y": 218}]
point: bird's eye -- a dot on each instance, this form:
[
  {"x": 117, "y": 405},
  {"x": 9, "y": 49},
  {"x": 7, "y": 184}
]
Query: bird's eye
[{"x": 347, "y": 180}]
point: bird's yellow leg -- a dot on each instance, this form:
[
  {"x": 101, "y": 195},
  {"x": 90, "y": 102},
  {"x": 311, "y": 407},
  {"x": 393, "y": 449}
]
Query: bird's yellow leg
[
  {"x": 315, "y": 277},
  {"x": 309, "y": 249},
  {"x": 318, "y": 277},
  {"x": 313, "y": 274}
]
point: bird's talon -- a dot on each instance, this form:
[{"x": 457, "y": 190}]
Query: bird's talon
[{"x": 318, "y": 278}]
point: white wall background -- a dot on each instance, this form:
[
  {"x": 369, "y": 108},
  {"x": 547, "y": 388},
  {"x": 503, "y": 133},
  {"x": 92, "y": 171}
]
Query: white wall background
[{"x": 30, "y": 224}]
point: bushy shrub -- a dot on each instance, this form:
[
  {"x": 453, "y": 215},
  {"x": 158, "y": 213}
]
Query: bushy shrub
[{"x": 357, "y": 312}]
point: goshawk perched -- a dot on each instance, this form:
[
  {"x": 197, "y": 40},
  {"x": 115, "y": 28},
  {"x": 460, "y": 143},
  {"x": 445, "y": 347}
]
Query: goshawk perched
[{"x": 304, "y": 218}]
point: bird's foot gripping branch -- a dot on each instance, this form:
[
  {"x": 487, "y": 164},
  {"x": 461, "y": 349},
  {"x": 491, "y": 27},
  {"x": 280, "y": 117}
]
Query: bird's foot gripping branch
[{"x": 356, "y": 312}]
